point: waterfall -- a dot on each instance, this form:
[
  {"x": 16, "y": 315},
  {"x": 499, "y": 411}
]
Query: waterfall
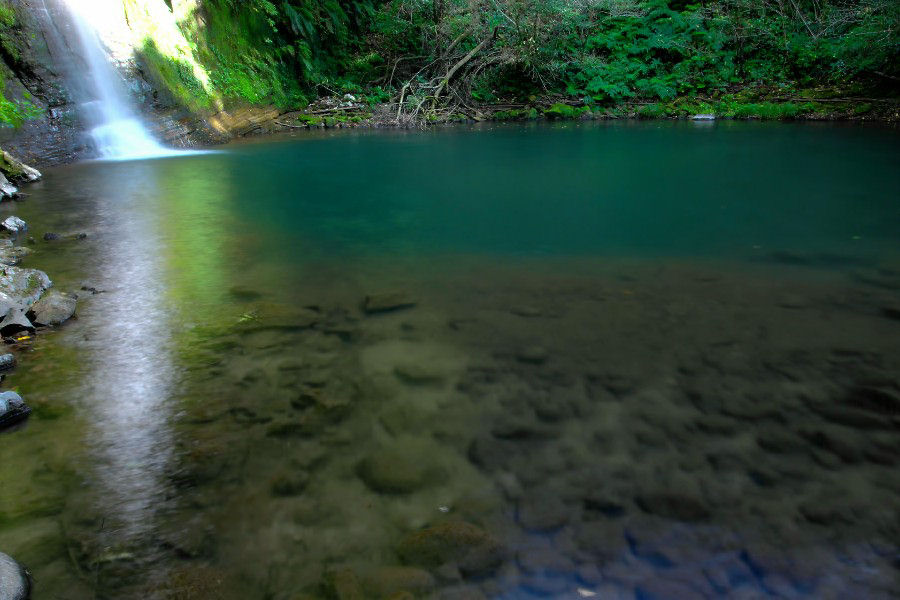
[{"x": 115, "y": 127}]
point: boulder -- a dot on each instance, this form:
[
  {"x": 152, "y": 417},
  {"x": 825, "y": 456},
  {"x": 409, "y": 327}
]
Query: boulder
[
  {"x": 16, "y": 169},
  {"x": 7, "y": 190},
  {"x": 7, "y": 361},
  {"x": 20, "y": 288},
  {"x": 15, "y": 321},
  {"x": 15, "y": 583},
  {"x": 473, "y": 550},
  {"x": 54, "y": 308},
  {"x": 14, "y": 224},
  {"x": 10, "y": 401}
]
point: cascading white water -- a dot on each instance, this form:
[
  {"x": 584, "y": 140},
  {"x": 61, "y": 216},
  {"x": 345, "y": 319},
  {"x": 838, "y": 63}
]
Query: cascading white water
[{"x": 115, "y": 127}]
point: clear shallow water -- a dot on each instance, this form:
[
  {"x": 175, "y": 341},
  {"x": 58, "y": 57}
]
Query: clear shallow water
[{"x": 645, "y": 361}]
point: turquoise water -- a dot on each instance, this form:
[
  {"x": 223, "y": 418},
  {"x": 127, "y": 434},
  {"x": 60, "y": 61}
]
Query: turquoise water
[{"x": 630, "y": 360}]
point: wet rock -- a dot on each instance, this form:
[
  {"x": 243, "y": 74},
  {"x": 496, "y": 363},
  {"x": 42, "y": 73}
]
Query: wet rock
[
  {"x": 387, "y": 302},
  {"x": 542, "y": 513},
  {"x": 852, "y": 417},
  {"x": 526, "y": 311},
  {"x": 667, "y": 589},
  {"x": 515, "y": 427},
  {"x": 828, "y": 511},
  {"x": 385, "y": 582},
  {"x": 874, "y": 400},
  {"x": 7, "y": 361},
  {"x": 490, "y": 453},
  {"x": 395, "y": 470},
  {"x": 461, "y": 592},
  {"x": 7, "y": 189},
  {"x": 603, "y": 539},
  {"x": 10, "y": 401},
  {"x": 342, "y": 584},
  {"x": 20, "y": 288},
  {"x": 15, "y": 583},
  {"x": 54, "y": 308},
  {"x": 289, "y": 484},
  {"x": 10, "y": 254},
  {"x": 472, "y": 549},
  {"x": 18, "y": 170},
  {"x": 673, "y": 504},
  {"x": 533, "y": 355},
  {"x": 14, "y": 225},
  {"x": 50, "y": 236},
  {"x": 837, "y": 440},
  {"x": 15, "y": 321},
  {"x": 419, "y": 373}
]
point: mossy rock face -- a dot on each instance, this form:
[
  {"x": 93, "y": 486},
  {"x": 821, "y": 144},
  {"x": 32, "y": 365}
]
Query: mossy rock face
[{"x": 472, "y": 549}]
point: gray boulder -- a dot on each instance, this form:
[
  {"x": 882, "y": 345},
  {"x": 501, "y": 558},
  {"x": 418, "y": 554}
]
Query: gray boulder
[
  {"x": 7, "y": 190},
  {"x": 10, "y": 401},
  {"x": 7, "y": 361},
  {"x": 14, "y": 224},
  {"x": 20, "y": 288},
  {"x": 15, "y": 321},
  {"x": 14, "y": 580},
  {"x": 53, "y": 308}
]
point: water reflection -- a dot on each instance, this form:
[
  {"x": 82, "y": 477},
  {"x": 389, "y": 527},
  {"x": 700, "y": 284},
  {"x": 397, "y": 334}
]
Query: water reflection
[{"x": 130, "y": 382}]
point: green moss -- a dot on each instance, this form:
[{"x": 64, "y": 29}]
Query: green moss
[
  {"x": 176, "y": 76},
  {"x": 564, "y": 111},
  {"x": 862, "y": 109}
]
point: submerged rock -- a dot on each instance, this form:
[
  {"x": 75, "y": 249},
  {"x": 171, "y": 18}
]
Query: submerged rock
[
  {"x": 14, "y": 224},
  {"x": 394, "y": 470},
  {"x": 388, "y": 582},
  {"x": 54, "y": 308},
  {"x": 472, "y": 549},
  {"x": 379, "y": 303},
  {"x": 15, "y": 583}
]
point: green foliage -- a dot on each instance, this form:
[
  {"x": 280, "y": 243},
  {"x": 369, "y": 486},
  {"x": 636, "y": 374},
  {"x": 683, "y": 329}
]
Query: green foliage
[{"x": 564, "y": 111}]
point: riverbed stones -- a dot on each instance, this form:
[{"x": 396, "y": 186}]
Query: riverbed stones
[
  {"x": 14, "y": 225},
  {"x": 472, "y": 549},
  {"x": 676, "y": 504},
  {"x": 15, "y": 321},
  {"x": 54, "y": 308},
  {"x": 20, "y": 288},
  {"x": 7, "y": 189},
  {"x": 14, "y": 581},
  {"x": 387, "y": 302},
  {"x": 396, "y": 469},
  {"x": 386, "y": 582}
]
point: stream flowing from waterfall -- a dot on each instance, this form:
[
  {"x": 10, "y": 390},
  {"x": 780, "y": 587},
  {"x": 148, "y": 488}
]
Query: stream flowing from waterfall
[{"x": 115, "y": 127}]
